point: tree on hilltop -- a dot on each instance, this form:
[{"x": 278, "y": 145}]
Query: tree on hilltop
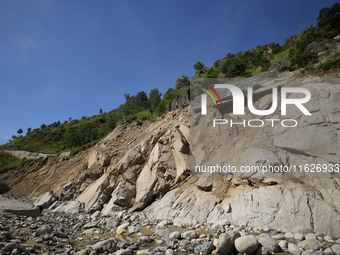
[
  {"x": 199, "y": 66},
  {"x": 329, "y": 17}
]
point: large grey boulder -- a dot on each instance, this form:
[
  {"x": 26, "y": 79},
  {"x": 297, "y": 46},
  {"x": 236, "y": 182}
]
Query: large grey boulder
[
  {"x": 269, "y": 243},
  {"x": 225, "y": 244},
  {"x": 294, "y": 249},
  {"x": 336, "y": 249},
  {"x": 109, "y": 246},
  {"x": 246, "y": 244},
  {"x": 45, "y": 200},
  {"x": 310, "y": 244}
]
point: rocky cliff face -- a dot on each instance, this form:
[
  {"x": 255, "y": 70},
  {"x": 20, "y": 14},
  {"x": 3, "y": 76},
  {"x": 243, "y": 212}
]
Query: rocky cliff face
[{"x": 145, "y": 166}]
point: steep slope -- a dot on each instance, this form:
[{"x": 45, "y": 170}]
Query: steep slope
[{"x": 144, "y": 166}]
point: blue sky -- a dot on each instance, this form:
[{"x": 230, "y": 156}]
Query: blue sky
[{"x": 61, "y": 59}]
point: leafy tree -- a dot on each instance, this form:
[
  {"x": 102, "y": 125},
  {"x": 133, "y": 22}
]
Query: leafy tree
[
  {"x": 329, "y": 18},
  {"x": 42, "y": 126},
  {"x": 55, "y": 124},
  {"x": 276, "y": 48},
  {"x": 100, "y": 111},
  {"x": 300, "y": 54},
  {"x": 29, "y": 130},
  {"x": 154, "y": 99},
  {"x": 14, "y": 137},
  {"x": 168, "y": 93},
  {"x": 86, "y": 133},
  {"x": 233, "y": 67},
  {"x": 20, "y": 131},
  {"x": 69, "y": 119},
  {"x": 217, "y": 63},
  {"x": 212, "y": 73},
  {"x": 182, "y": 82},
  {"x": 199, "y": 66},
  {"x": 139, "y": 102},
  {"x": 108, "y": 127},
  {"x": 256, "y": 59},
  {"x": 134, "y": 104},
  {"x": 265, "y": 63}
]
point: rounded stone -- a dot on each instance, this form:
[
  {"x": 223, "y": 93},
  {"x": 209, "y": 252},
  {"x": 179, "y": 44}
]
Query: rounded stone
[{"x": 246, "y": 244}]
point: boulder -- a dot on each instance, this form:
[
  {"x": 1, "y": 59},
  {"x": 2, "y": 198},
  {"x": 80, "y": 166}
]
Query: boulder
[
  {"x": 163, "y": 233},
  {"x": 108, "y": 246},
  {"x": 175, "y": 235},
  {"x": 336, "y": 249},
  {"x": 269, "y": 243},
  {"x": 191, "y": 234},
  {"x": 93, "y": 192},
  {"x": 112, "y": 223},
  {"x": 246, "y": 244},
  {"x": 45, "y": 200},
  {"x": 225, "y": 244},
  {"x": 294, "y": 249},
  {"x": 123, "y": 252},
  {"x": 283, "y": 245},
  {"x": 313, "y": 244},
  {"x": 207, "y": 248},
  {"x": 68, "y": 191},
  {"x": 205, "y": 184},
  {"x": 100, "y": 157}
]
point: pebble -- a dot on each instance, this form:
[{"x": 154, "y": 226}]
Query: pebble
[{"x": 56, "y": 233}]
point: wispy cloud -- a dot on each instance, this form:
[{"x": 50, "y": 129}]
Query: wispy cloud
[{"x": 26, "y": 43}]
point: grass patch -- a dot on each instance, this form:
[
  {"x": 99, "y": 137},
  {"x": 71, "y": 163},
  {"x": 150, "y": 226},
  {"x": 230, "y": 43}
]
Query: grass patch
[
  {"x": 332, "y": 63},
  {"x": 255, "y": 71},
  {"x": 83, "y": 147},
  {"x": 256, "y": 86},
  {"x": 8, "y": 162},
  {"x": 277, "y": 58}
]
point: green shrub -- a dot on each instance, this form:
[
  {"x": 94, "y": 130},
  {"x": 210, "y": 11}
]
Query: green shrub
[
  {"x": 260, "y": 60},
  {"x": 86, "y": 133},
  {"x": 146, "y": 115},
  {"x": 332, "y": 63},
  {"x": 283, "y": 67},
  {"x": 300, "y": 55},
  {"x": 233, "y": 67},
  {"x": 108, "y": 127},
  {"x": 217, "y": 63},
  {"x": 212, "y": 73},
  {"x": 276, "y": 48},
  {"x": 4, "y": 187},
  {"x": 265, "y": 64},
  {"x": 182, "y": 82},
  {"x": 256, "y": 86}
]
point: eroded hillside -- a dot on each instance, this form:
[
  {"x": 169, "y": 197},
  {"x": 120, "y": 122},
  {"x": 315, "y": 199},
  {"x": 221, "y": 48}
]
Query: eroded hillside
[{"x": 145, "y": 166}]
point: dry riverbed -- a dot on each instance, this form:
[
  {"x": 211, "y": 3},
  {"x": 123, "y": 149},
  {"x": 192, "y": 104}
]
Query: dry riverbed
[{"x": 126, "y": 233}]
